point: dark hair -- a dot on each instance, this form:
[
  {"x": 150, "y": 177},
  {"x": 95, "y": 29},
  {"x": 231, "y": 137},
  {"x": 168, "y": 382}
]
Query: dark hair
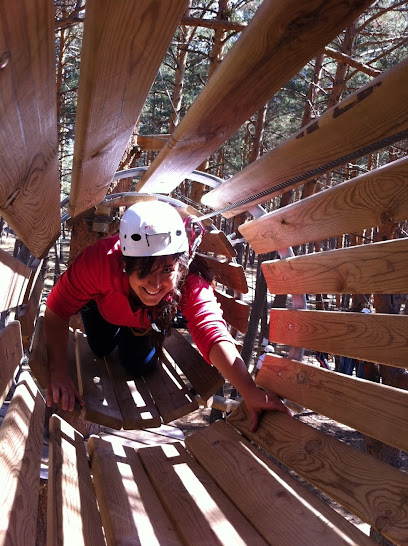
[{"x": 167, "y": 308}]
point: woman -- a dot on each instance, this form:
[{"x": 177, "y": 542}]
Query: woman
[{"x": 128, "y": 289}]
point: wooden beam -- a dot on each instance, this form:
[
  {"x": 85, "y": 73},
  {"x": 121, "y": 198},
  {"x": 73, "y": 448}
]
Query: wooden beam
[
  {"x": 266, "y": 494},
  {"x": 345, "y": 474},
  {"x": 280, "y": 39},
  {"x": 376, "y": 198},
  {"x": 378, "y": 268},
  {"x": 29, "y": 181},
  {"x": 235, "y": 312},
  {"x": 199, "y": 510},
  {"x": 14, "y": 278},
  {"x": 340, "y": 397},
  {"x": 151, "y": 143},
  {"x": 123, "y": 46},
  {"x": 228, "y": 273},
  {"x": 359, "y": 124},
  {"x": 357, "y": 335}
]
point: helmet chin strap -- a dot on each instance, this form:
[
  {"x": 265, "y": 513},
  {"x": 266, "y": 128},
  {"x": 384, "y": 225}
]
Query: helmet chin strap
[{"x": 197, "y": 230}]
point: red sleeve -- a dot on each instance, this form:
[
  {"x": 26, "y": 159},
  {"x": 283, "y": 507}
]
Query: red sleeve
[
  {"x": 204, "y": 315},
  {"x": 78, "y": 285}
]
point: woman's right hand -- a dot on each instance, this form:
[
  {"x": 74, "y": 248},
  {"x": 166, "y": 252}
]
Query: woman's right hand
[{"x": 62, "y": 388}]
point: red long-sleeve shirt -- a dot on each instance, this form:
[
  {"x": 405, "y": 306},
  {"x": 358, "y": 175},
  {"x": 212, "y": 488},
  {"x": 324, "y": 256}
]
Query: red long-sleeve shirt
[{"x": 97, "y": 274}]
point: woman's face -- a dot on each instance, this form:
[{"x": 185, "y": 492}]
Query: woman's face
[{"x": 156, "y": 284}]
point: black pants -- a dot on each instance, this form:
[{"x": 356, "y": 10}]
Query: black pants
[{"x": 136, "y": 353}]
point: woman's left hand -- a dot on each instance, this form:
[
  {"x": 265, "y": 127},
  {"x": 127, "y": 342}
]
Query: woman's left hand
[{"x": 257, "y": 401}]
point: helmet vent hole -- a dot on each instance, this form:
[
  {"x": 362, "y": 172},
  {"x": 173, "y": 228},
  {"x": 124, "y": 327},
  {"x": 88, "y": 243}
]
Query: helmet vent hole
[
  {"x": 136, "y": 237},
  {"x": 178, "y": 232}
]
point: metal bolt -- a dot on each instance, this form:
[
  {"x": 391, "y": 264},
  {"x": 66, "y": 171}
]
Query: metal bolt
[{"x": 4, "y": 59}]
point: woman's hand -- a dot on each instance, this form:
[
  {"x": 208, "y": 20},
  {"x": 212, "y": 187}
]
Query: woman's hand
[
  {"x": 61, "y": 388},
  {"x": 258, "y": 400}
]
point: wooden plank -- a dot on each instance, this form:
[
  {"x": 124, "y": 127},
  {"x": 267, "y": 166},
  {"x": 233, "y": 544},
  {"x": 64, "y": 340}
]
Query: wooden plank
[
  {"x": 199, "y": 510},
  {"x": 216, "y": 241},
  {"x": 134, "y": 399},
  {"x": 130, "y": 509},
  {"x": 358, "y": 124},
  {"x": 372, "y": 199},
  {"x": 14, "y": 278},
  {"x": 21, "y": 438},
  {"x": 28, "y": 314},
  {"x": 357, "y": 335},
  {"x": 124, "y": 43},
  {"x": 29, "y": 181},
  {"x": 151, "y": 143},
  {"x": 345, "y": 399},
  {"x": 235, "y": 312},
  {"x": 276, "y": 504},
  {"x": 367, "y": 487},
  {"x": 228, "y": 273},
  {"x": 95, "y": 386},
  {"x": 171, "y": 396},
  {"x": 204, "y": 378},
  {"x": 378, "y": 268},
  {"x": 11, "y": 354},
  {"x": 279, "y": 40},
  {"x": 72, "y": 512},
  {"x": 38, "y": 359}
]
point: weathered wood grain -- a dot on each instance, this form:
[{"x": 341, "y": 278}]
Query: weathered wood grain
[
  {"x": 371, "y": 337},
  {"x": 133, "y": 397},
  {"x": 29, "y": 181},
  {"x": 235, "y": 312},
  {"x": 367, "y": 487},
  {"x": 95, "y": 386},
  {"x": 123, "y": 45},
  {"x": 216, "y": 241},
  {"x": 21, "y": 436},
  {"x": 279, "y": 40},
  {"x": 345, "y": 399},
  {"x": 130, "y": 509},
  {"x": 72, "y": 512},
  {"x": 229, "y": 274},
  {"x": 11, "y": 353},
  {"x": 378, "y": 268},
  {"x": 266, "y": 494},
  {"x": 169, "y": 392},
  {"x": 198, "y": 509},
  {"x": 376, "y": 198},
  {"x": 204, "y": 378},
  {"x": 14, "y": 279},
  {"x": 371, "y": 114}
]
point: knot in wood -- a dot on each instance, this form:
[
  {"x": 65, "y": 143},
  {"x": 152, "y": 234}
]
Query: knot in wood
[
  {"x": 312, "y": 445},
  {"x": 386, "y": 218}
]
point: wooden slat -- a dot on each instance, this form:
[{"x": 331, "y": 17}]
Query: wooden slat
[
  {"x": 267, "y": 495},
  {"x": 342, "y": 398},
  {"x": 123, "y": 45},
  {"x": 133, "y": 397},
  {"x": 14, "y": 278},
  {"x": 21, "y": 437},
  {"x": 27, "y": 316},
  {"x": 371, "y": 489},
  {"x": 29, "y": 181},
  {"x": 204, "y": 378},
  {"x": 11, "y": 354},
  {"x": 235, "y": 312},
  {"x": 170, "y": 394},
  {"x": 199, "y": 510},
  {"x": 38, "y": 359},
  {"x": 216, "y": 241},
  {"x": 228, "y": 273},
  {"x": 363, "y": 336},
  {"x": 280, "y": 39},
  {"x": 95, "y": 386},
  {"x": 36, "y": 267},
  {"x": 151, "y": 143},
  {"x": 72, "y": 513},
  {"x": 346, "y": 131},
  {"x": 130, "y": 509},
  {"x": 372, "y": 199},
  {"x": 378, "y": 268}
]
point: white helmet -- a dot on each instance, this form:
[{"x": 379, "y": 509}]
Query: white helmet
[
  {"x": 269, "y": 349},
  {"x": 152, "y": 228}
]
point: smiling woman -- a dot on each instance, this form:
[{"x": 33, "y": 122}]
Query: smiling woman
[{"x": 128, "y": 288}]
